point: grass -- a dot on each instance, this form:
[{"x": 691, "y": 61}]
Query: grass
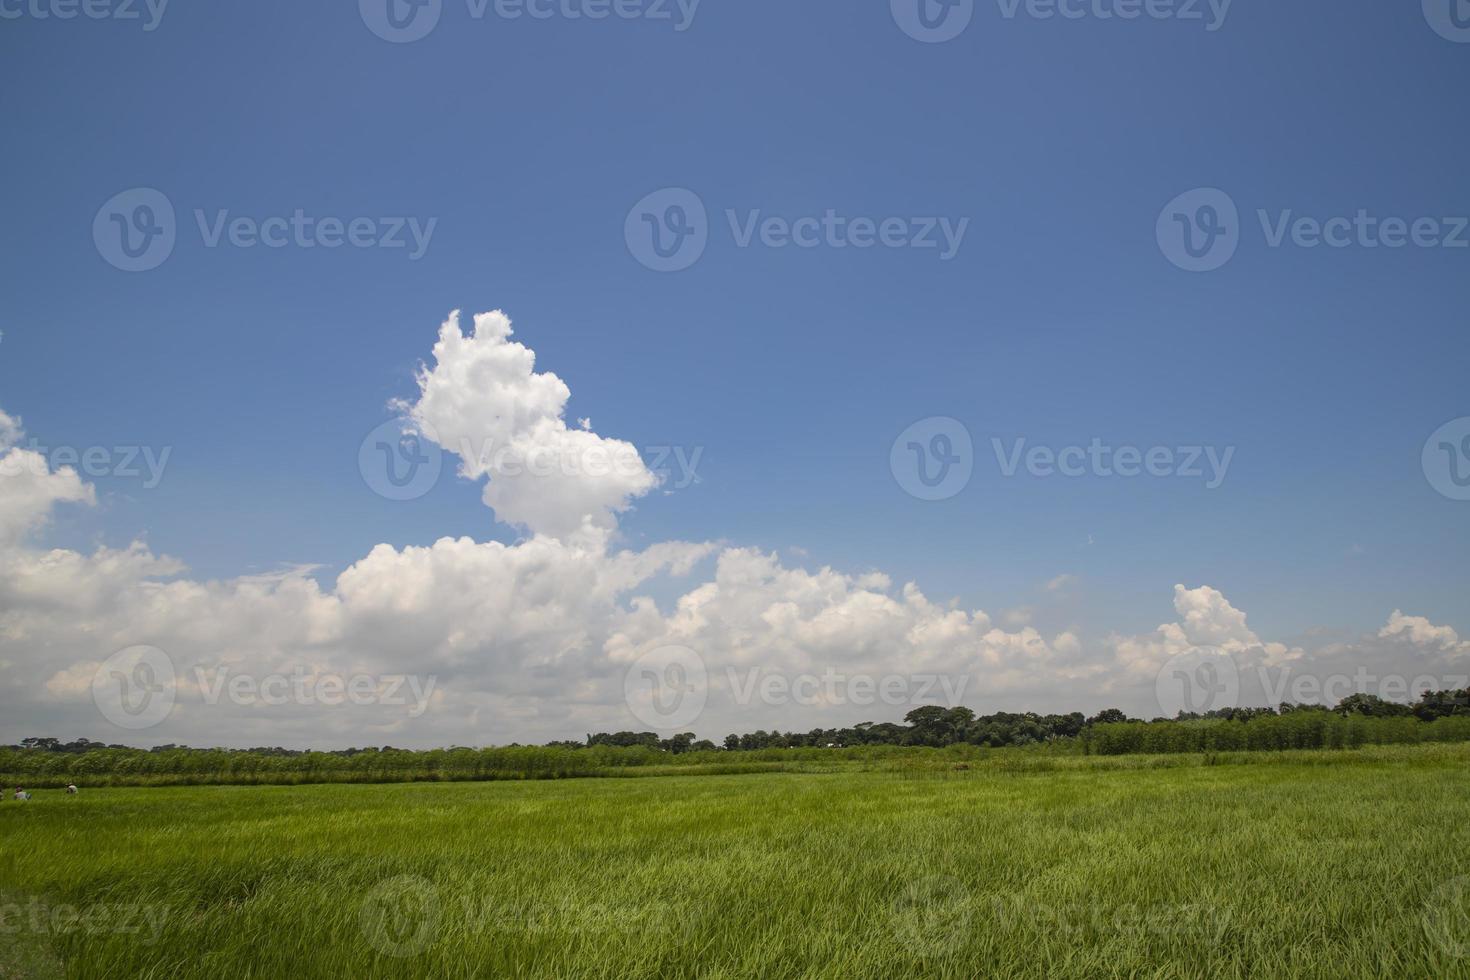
[{"x": 1331, "y": 864}]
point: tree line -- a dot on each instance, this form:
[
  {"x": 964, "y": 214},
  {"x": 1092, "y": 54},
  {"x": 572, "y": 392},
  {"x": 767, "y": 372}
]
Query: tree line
[
  {"x": 936, "y": 727},
  {"x": 1357, "y": 720}
]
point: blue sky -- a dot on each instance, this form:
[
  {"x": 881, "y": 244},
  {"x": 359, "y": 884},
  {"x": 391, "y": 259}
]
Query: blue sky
[{"x": 1059, "y": 319}]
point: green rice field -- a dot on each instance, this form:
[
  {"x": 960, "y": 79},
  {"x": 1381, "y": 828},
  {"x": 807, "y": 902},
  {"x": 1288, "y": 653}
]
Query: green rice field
[{"x": 1311, "y": 864}]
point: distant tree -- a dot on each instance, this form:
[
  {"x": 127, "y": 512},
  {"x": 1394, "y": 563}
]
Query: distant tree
[
  {"x": 625, "y": 739},
  {"x": 929, "y": 725},
  {"x": 678, "y": 744},
  {"x": 1063, "y": 726},
  {"x": 1371, "y": 705},
  {"x": 1442, "y": 704}
]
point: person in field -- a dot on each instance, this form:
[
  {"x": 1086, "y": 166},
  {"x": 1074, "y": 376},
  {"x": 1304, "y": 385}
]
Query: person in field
[
  {"x": 21, "y": 794},
  {"x": 71, "y": 789}
]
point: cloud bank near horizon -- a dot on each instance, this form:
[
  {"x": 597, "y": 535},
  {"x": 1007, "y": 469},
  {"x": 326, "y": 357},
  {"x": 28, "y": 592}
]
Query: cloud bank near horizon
[{"x": 534, "y": 640}]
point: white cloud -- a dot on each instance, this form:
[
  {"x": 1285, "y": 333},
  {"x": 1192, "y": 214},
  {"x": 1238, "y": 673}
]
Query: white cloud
[
  {"x": 1207, "y": 619},
  {"x": 531, "y": 641},
  {"x": 10, "y": 431},
  {"x": 29, "y": 488},
  {"x": 484, "y": 401},
  {"x": 1421, "y": 632}
]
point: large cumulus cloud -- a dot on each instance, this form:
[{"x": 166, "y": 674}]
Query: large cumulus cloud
[
  {"x": 484, "y": 400},
  {"x": 533, "y": 640}
]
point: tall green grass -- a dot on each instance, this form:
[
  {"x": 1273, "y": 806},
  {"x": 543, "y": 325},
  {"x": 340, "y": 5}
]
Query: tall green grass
[
  {"x": 1297, "y": 864},
  {"x": 206, "y": 767},
  {"x": 1271, "y": 733}
]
